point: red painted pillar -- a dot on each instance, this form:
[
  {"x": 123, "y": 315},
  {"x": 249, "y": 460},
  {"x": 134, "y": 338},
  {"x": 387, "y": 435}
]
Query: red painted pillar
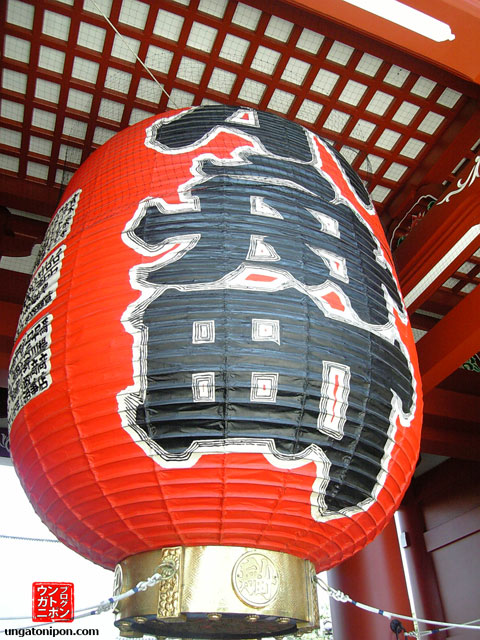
[
  {"x": 425, "y": 592},
  {"x": 374, "y": 576}
]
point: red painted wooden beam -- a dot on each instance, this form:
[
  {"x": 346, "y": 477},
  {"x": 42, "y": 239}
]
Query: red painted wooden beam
[
  {"x": 429, "y": 241},
  {"x": 451, "y": 425},
  {"x": 443, "y": 436},
  {"x": 452, "y": 404},
  {"x": 451, "y": 342},
  {"x": 29, "y": 196},
  {"x": 448, "y": 441}
]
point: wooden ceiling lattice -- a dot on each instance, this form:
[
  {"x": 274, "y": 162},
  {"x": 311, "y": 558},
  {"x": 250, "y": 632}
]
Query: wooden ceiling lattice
[{"x": 70, "y": 82}]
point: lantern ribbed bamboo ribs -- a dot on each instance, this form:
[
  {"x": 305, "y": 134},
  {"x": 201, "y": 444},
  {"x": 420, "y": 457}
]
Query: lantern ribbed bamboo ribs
[{"x": 214, "y": 351}]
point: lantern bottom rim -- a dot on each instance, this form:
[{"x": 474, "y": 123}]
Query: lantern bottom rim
[{"x": 216, "y": 592}]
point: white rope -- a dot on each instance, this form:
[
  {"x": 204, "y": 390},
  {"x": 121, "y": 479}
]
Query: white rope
[
  {"x": 342, "y": 597},
  {"x": 167, "y": 570},
  {"x": 133, "y": 52},
  {"x": 421, "y": 634}
]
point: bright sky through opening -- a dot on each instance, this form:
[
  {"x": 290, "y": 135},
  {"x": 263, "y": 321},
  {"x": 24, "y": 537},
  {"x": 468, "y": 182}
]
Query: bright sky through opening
[{"x": 407, "y": 17}]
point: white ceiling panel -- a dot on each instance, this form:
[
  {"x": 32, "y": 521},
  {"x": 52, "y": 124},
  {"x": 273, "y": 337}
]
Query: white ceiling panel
[
  {"x": 20, "y": 14},
  {"x": 11, "y": 110},
  {"x": 56, "y": 25},
  {"x": 16, "y": 49},
  {"x": 246, "y": 16}
]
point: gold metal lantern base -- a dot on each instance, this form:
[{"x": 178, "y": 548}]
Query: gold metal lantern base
[{"x": 216, "y": 592}]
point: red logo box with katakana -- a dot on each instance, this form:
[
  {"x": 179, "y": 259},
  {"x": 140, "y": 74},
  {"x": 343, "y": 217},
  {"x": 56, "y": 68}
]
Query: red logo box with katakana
[{"x": 52, "y": 602}]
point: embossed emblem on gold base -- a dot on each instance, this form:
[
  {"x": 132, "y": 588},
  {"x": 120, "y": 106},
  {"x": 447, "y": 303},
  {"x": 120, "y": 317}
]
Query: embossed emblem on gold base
[{"x": 217, "y": 592}]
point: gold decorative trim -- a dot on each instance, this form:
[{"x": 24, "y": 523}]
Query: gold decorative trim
[
  {"x": 169, "y": 590},
  {"x": 224, "y": 591}
]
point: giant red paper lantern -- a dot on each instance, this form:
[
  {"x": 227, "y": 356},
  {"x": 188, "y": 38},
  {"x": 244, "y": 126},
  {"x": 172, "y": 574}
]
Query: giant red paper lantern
[{"x": 213, "y": 349}]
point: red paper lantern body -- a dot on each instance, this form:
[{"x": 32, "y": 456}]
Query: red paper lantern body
[{"x": 105, "y": 486}]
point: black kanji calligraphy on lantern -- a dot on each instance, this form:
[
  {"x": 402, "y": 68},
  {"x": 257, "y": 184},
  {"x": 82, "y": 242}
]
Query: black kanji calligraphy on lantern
[{"x": 270, "y": 317}]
